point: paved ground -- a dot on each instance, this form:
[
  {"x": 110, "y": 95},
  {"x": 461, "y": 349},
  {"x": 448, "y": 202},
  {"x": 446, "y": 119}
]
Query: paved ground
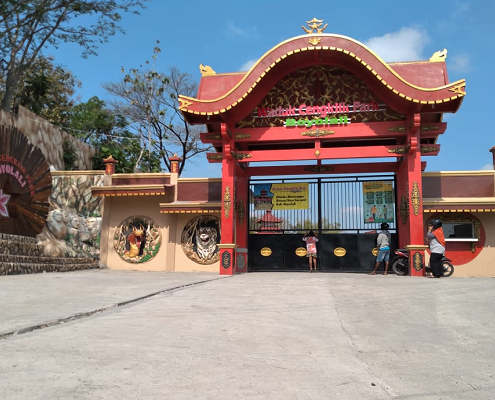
[{"x": 104, "y": 334}]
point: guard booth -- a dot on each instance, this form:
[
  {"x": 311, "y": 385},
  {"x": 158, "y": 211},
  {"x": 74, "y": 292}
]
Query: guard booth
[{"x": 323, "y": 105}]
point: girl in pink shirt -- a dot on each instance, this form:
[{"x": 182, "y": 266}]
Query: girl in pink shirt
[{"x": 311, "y": 239}]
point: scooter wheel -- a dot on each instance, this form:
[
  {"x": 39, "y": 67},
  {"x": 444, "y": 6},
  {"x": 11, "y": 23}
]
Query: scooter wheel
[
  {"x": 400, "y": 267},
  {"x": 448, "y": 269}
]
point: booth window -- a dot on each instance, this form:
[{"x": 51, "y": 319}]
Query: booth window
[
  {"x": 461, "y": 227},
  {"x": 459, "y": 230}
]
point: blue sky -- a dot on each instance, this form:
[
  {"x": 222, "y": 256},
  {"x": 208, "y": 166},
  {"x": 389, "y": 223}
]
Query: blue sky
[{"x": 231, "y": 35}]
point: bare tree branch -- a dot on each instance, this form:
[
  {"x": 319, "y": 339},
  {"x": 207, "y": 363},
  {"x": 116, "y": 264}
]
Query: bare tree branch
[
  {"x": 28, "y": 26},
  {"x": 149, "y": 101}
]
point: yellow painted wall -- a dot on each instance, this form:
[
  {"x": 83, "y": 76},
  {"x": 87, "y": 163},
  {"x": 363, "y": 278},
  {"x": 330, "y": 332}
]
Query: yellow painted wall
[
  {"x": 116, "y": 210},
  {"x": 170, "y": 257}
]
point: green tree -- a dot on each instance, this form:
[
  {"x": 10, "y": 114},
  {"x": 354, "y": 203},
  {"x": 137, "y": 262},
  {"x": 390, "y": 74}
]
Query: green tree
[
  {"x": 148, "y": 100},
  {"x": 309, "y": 224},
  {"x": 93, "y": 123},
  {"x": 46, "y": 89},
  {"x": 28, "y": 26},
  {"x": 90, "y": 120}
]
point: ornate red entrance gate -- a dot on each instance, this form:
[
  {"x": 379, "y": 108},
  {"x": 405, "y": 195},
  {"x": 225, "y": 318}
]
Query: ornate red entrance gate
[
  {"x": 319, "y": 99},
  {"x": 336, "y": 210}
]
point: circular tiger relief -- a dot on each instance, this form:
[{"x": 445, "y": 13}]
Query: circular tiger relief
[
  {"x": 200, "y": 238},
  {"x": 137, "y": 239}
]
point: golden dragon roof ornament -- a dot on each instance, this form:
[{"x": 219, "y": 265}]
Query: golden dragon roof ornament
[
  {"x": 206, "y": 70},
  {"x": 314, "y": 27}
]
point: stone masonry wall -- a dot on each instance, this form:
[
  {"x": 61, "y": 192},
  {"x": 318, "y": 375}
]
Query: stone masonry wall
[
  {"x": 49, "y": 139},
  {"x": 73, "y": 225},
  {"x": 70, "y": 239}
]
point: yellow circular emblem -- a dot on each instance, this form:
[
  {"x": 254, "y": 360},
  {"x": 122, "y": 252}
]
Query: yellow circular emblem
[
  {"x": 339, "y": 251},
  {"x": 301, "y": 251},
  {"x": 266, "y": 251},
  {"x": 374, "y": 251}
]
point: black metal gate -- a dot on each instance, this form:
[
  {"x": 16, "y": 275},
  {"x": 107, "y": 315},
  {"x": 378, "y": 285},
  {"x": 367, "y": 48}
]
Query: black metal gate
[{"x": 335, "y": 212}]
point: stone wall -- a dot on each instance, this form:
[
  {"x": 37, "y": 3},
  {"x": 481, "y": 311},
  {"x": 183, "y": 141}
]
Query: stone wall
[
  {"x": 49, "y": 139},
  {"x": 70, "y": 239},
  {"x": 73, "y": 225},
  {"x": 23, "y": 255}
]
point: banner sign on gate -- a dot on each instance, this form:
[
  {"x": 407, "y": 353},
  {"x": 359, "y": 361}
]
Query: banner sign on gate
[
  {"x": 281, "y": 196},
  {"x": 378, "y": 202}
]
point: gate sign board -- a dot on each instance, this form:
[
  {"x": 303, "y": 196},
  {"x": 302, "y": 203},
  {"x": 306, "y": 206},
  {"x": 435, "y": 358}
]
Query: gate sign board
[
  {"x": 25, "y": 184},
  {"x": 378, "y": 202},
  {"x": 281, "y": 196}
]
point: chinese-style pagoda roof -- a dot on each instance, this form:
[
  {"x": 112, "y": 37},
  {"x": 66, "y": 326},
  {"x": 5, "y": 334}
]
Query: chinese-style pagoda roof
[
  {"x": 421, "y": 86},
  {"x": 269, "y": 217}
]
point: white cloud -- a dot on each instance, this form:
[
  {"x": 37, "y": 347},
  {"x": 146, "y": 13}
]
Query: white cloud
[
  {"x": 459, "y": 63},
  {"x": 405, "y": 45},
  {"x": 237, "y": 31},
  {"x": 461, "y": 8},
  {"x": 487, "y": 167},
  {"x": 247, "y": 65}
]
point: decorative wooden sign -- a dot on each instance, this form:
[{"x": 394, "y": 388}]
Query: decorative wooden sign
[{"x": 25, "y": 184}]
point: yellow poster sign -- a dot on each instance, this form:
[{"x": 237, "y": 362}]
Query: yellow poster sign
[
  {"x": 290, "y": 196},
  {"x": 378, "y": 202}
]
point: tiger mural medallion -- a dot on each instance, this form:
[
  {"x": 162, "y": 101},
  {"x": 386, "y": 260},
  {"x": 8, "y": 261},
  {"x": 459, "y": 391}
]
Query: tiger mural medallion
[
  {"x": 200, "y": 238},
  {"x": 137, "y": 239}
]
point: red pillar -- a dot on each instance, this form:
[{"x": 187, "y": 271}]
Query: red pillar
[
  {"x": 416, "y": 232},
  {"x": 241, "y": 223},
  {"x": 402, "y": 204},
  {"x": 227, "y": 243}
]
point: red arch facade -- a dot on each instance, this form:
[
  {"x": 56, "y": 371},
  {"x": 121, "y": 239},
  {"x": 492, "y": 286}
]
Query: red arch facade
[{"x": 385, "y": 116}]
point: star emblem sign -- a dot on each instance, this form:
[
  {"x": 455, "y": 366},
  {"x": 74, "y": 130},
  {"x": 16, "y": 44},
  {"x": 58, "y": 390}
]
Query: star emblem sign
[{"x": 4, "y": 199}]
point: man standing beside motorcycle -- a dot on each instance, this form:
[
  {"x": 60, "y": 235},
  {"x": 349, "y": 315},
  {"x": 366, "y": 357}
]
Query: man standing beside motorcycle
[
  {"x": 383, "y": 244},
  {"x": 436, "y": 239}
]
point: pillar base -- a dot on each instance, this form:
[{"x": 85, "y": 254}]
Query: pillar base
[
  {"x": 227, "y": 258},
  {"x": 241, "y": 260},
  {"x": 417, "y": 259}
]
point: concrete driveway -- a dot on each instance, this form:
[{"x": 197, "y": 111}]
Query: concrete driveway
[{"x": 103, "y": 334}]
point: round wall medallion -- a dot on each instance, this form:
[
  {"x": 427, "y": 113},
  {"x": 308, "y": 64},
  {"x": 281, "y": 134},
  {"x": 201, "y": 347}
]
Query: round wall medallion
[
  {"x": 374, "y": 251},
  {"x": 25, "y": 184},
  {"x": 266, "y": 251},
  {"x": 301, "y": 251},
  {"x": 137, "y": 239},
  {"x": 340, "y": 252},
  {"x": 200, "y": 238}
]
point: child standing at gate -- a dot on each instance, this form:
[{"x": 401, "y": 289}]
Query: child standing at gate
[
  {"x": 311, "y": 239},
  {"x": 383, "y": 243}
]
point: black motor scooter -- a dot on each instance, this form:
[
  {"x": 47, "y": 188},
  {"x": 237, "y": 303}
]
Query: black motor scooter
[{"x": 400, "y": 264}]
